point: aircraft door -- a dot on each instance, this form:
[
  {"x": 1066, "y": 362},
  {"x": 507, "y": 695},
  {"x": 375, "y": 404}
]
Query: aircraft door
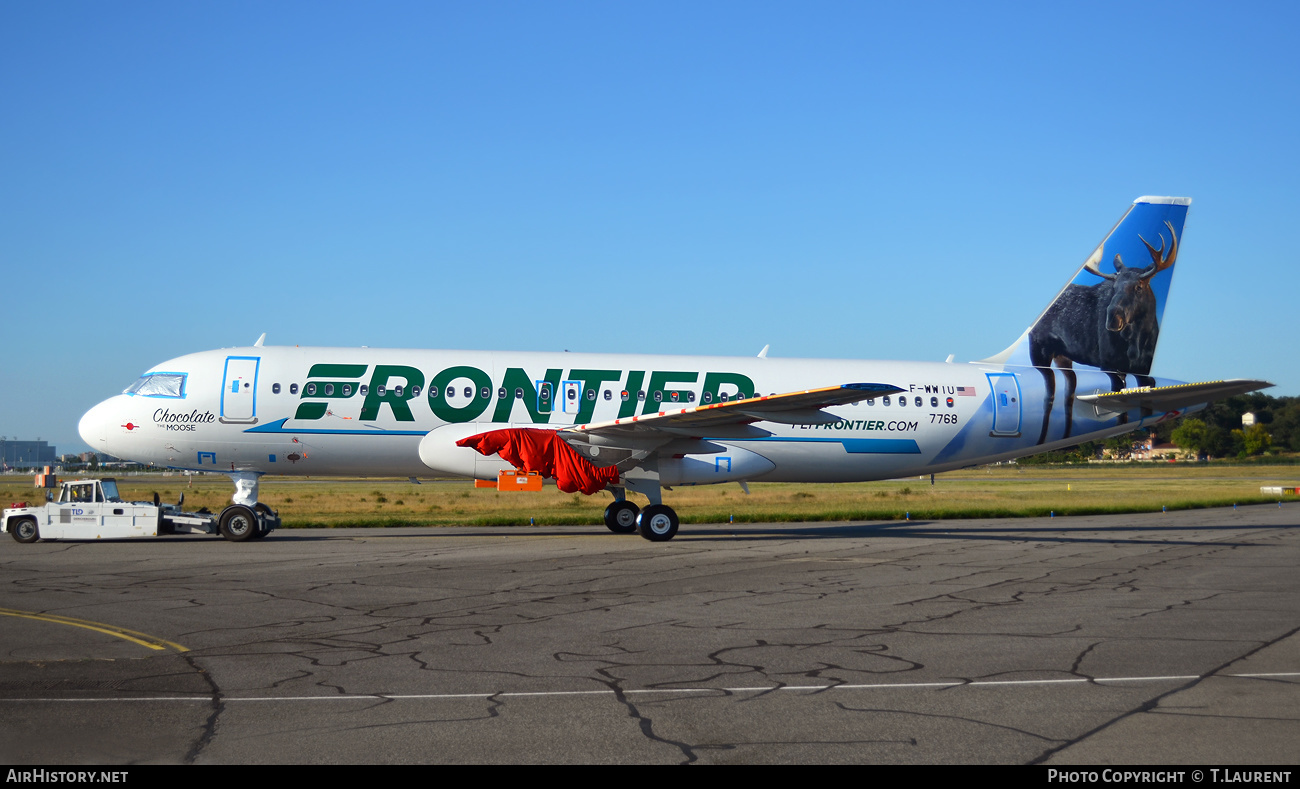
[
  {"x": 572, "y": 396},
  {"x": 239, "y": 390},
  {"x": 1006, "y": 405}
]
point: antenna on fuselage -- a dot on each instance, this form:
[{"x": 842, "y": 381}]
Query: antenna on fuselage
[
  {"x": 260, "y": 340},
  {"x": 763, "y": 353}
]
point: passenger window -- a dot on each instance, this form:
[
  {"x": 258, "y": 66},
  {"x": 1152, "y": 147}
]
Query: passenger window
[
  {"x": 415, "y": 391},
  {"x": 347, "y": 390},
  {"x": 871, "y": 401},
  {"x": 519, "y": 393},
  {"x": 625, "y": 395},
  {"x": 591, "y": 394},
  {"x": 918, "y": 402},
  {"x": 433, "y": 391},
  {"x": 311, "y": 389},
  {"x": 885, "y": 399},
  {"x": 934, "y": 402},
  {"x": 501, "y": 393},
  {"x": 690, "y": 397},
  {"x": 676, "y": 396},
  {"x": 609, "y": 395},
  {"x": 708, "y": 397},
  {"x": 275, "y": 389},
  {"x": 329, "y": 389},
  {"x": 722, "y": 397},
  {"x": 379, "y": 390},
  {"x": 397, "y": 390},
  {"x": 364, "y": 390},
  {"x": 640, "y": 395},
  {"x": 902, "y": 401},
  {"x": 293, "y": 388},
  {"x": 659, "y": 397}
]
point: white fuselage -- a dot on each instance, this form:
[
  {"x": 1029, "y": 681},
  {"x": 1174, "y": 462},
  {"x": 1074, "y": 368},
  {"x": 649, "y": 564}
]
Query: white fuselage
[{"x": 362, "y": 411}]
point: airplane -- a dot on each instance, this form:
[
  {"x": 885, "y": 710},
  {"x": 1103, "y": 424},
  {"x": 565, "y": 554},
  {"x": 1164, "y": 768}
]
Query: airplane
[{"x": 640, "y": 424}]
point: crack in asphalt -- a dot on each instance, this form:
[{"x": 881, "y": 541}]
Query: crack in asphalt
[
  {"x": 644, "y": 723},
  {"x": 209, "y": 731}
]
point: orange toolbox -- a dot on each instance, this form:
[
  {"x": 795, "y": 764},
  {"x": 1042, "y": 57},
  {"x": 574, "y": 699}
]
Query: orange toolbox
[{"x": 519, "y": 480}]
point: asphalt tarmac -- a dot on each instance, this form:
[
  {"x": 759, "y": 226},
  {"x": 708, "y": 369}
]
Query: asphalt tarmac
[{"x": 1152, "y": 639}]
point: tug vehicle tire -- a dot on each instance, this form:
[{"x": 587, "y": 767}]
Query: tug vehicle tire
[
  {"x": 238, "y": 523},
  {"x": 25, "y": 530}
]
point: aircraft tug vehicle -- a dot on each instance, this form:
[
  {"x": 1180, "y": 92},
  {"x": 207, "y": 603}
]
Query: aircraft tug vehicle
[{"x": 92, "y": 509}]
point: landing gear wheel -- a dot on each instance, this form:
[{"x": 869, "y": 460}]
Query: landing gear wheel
[
  {"x": 25, "y": 530},
  {"x": 620, "y": 517},
  {"x": 657, "y": 523},
  {"x": 238, "y": 523}
]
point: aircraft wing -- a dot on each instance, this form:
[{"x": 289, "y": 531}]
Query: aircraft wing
[
  {"x": 731, "y": 419},
  {"x": 1171, "y": 398}
]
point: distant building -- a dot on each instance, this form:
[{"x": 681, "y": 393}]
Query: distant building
[
  {"x": 1248, "y": 419},
  {"x": 1143, "y": 447},
  {"x": 1148, "y": 449},
  {"x": 26, "y": 454}
]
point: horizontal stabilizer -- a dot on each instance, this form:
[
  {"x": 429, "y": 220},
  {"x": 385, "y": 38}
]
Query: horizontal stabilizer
[{"x": 1171, "y": 398}]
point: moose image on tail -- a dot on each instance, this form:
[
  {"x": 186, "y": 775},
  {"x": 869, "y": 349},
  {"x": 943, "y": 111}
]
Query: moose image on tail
[{"x": 1112, "y": 325}]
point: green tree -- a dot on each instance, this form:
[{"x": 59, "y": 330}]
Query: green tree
[
  {"x": 1193, "y": 435},
  {"x": 1122, "y": 445},
  {"x": 1255, "y": 440}
]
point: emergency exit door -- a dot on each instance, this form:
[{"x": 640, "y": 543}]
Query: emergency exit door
[{"x": 239, "y": 390}]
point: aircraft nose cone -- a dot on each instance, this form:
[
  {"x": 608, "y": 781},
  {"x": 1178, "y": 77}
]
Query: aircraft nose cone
[{"x": 93, "y": 427}]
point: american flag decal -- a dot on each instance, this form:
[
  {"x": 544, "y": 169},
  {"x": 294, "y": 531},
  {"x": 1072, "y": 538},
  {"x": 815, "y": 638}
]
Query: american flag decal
[{"x": 965, "y": 391}]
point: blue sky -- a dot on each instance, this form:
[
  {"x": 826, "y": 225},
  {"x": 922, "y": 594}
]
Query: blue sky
[{"x": 848, "y": 180}]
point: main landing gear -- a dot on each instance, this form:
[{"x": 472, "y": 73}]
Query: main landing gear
[{"x": 657, "y": 522}]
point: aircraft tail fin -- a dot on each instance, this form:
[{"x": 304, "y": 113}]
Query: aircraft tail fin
[{"x": 1108, "y": 315}]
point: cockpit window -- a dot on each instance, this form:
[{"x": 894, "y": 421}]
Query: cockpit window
[{"x": 158, "y": 385}]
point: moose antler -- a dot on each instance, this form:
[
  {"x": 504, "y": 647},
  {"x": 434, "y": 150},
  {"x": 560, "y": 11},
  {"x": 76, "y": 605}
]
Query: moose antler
[
  {"x": 1093, "y": 263},
  {"x": 1159, "y": 261}
]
